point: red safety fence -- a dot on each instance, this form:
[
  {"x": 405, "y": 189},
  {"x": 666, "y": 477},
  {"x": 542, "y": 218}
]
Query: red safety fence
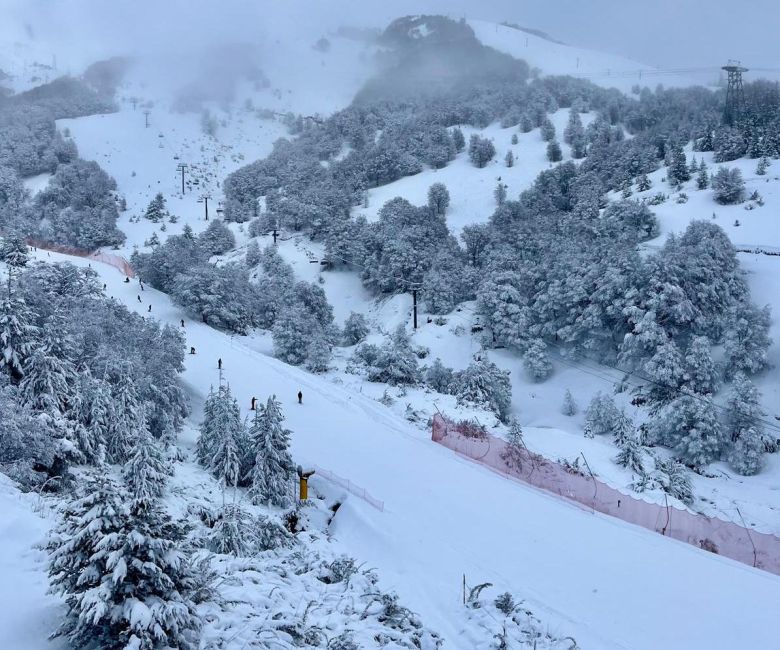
[
  {"x": 712, "y": 534},
  {"x": 117, "y": 261}
]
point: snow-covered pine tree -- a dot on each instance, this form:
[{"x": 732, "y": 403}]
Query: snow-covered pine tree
[
  {"x": 143, "y": 596},
  {"x": 675, "y": 480},
  {"x": 396, "y": 363},
  {"x": 512, "y": 454},
  {"x": 743, "y": 427},
  {"x": 693, "y": 430},
  {"x": 678, "y": 166},
  {"x": 458, "y": 139},
  {"x": 129, "y": 420},
  {"x": 569, "y": 406},
  {"x": 666, "y": 371},
  {"x": 225, "y": 464},
  {"x": 438, "y": 377},
  {"x": 630, "y": 455},
  {"x": 146, "y": 473},
  {"x": 484, "y": 383},
  {"x": 643, "y": 183},
  {"x": 547, "y": 130},
  {"x": 221, "y": 419},
  {"x": 273, "y": 470},
  {"x": 623, "y": 430},
  {"x": 536, "y": 362},
  {"x": 554, "y": 153},
  {"x": 252, "y": 258},
  {"x": 509, "y": 159},
  {"x": 763, "y": 165},
  {"x": 77, "y": 564},
  {"x": 48, "y": 381},
  {"x": 602, "y": 416},
  {"x": 93, "y": 414},
  {"x": 319, "y": 353},
  {"x": 13, "y": 250},
  {"x": 702, "y": 178},
  {"x": 17, "y": 333},
  {"x": 156, "y": 211},
  {"x": 728, "y": 186},
  {"x": 499, "y": 194},
  {"x": 701, "y": 376},
  {"x": 233, "y": 532}
]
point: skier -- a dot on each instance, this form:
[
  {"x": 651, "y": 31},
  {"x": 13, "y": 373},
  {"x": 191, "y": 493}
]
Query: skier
[
  {"x": 300, "y": 397},
  {"x": 142, "y": 286},
  {"x": 219, "y": 364},
  {"x": 150, "y": 308},
  {"x": 252, "y": 408},
  {"x": 182, "y": 322},
  {"x": 192, "y": 350},
  {"x": 127, "y": 280},
  {"x": 104, "y": 286},
  {"x": 139, "y": 298}
]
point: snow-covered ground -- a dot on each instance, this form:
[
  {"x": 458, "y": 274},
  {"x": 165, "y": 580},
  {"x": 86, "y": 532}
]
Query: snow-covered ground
[
  {"x": 607, "y": 583},
  {"x": 554, "y": 58}
]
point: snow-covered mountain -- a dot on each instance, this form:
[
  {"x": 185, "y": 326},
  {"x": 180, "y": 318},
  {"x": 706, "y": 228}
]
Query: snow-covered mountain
[{"x": 604, "y": 582}]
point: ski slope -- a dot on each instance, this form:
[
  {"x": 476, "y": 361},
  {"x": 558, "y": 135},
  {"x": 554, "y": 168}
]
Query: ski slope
[{"x": 609, "y": 584}]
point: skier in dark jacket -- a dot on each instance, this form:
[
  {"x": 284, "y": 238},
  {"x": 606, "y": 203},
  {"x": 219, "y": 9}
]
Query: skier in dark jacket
[
  {"x": 219, "y": 364},
  {"x": 300, "y": 397}
]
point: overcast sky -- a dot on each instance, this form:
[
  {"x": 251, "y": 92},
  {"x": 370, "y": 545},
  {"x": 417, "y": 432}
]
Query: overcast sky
[{"x": 666, "y": 33}]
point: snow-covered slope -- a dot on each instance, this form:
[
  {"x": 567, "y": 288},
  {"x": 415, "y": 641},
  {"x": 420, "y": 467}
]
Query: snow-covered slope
[
  {"x": 553, "y": 58},
  {"x": 605, "y": 582}
]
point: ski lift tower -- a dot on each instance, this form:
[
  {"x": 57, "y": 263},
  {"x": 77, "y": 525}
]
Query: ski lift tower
[{"x": 735, "y": 93}]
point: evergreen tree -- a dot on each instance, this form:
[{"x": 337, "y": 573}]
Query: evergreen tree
[
  {"x": 355, "y": 329},
  {"x": 273, "y": 470},
  {"x": 156, "y": 209},
  {"x": 318, "y": 353},
  {"x": 701, "y": 376},
  {"x": 509, "y": 159},
  {"x": 675, "y": 480},
  {"x": 514, "y": 140},
  {"x": 13, "y": 251},
  {"x": 728, "y": 186},
  {"x": 458, "y": 140},
  {"x": 630, "y": 455},
  {"x": 17, "y": 333},
  {"x": 623, "y": 430},
  {"x": 554, "y": 153},
  {"x": 438, "y": 199},
  {"x": 743, "y": 427},
  {"x": 146, "y": 473},
  {"x": 252, "y": 254},
  {"x": 693, "y": 430},
  {"x": 233, "y": 532},
  {"x": 512, "y": 454},
  {"x": 678, "y": 165},
  {"x": 93, "y": 413},
  {"x": 602, "y": 416},
  {"x": 484, "y": 383},
  {"x": 526, "y": 123},
  {"x": 643, "y": 183},
  {"x": 439, "y": 377},
  {"x": 702, "y": 178},
  {"x": 221, "y": 421},
  {"x": 129, "y": 421},
  {"x": 49, "y": 381},
  {"x": 395, "y": 362},
  {"x": 536, "y": 362},
  {"x": 666, "y": 371},
  {"x": 499, "y": 194},
  {"x": 481, "y": 150},
  {"x": 574, "y": 130},
  {"x": 747, "y": 340},
  {"x": 762, "y": 166},
  {"x": 291, "y": 334},
  {"x": 547, "y": 130},
  {"x": 569, "y": 407}
]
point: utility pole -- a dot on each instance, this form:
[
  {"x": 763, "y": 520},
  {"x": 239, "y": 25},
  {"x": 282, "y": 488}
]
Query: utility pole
[
  {"x": 414, "y": 307},
  {"x": 146, "y": 117},
  {"x": 182, "y": 168},
  {"x": 275, "y": 234},
  {"x": 204, "y": 198}
]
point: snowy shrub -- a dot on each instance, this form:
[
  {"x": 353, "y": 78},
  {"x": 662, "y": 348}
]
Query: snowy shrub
[
  {"x": 216, "y": 239},
  {"x": 355, "y": 329},
  {"x": 675, "y": 480},
  {"x": 271, "y": 535},
  {"x": 233, "y": 533},
  {"x": 602, "y": 416},
  {"x": 728, "y": 186},
  {"x": 252, "y": 258},
  {"x": 485, "y": 384},
  {"x": 481, "y": 150},
  {"x": 471, "y": 429},
  {"x": 569, "y": 407},
  {"x": 691, "y": 427},
  {"x": 536, "y": 362},
  {"x": 393, "y": 363},
  {"x": 439, "y": 377}
]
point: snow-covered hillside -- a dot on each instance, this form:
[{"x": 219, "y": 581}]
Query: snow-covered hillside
[
  {"x": 554, "y": 58},
  {"x": 606, "y": 583}
]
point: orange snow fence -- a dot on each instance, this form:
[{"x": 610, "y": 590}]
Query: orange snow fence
[
  {"x": 117, "y": 261},
  {"x": 761, "y": 550}
]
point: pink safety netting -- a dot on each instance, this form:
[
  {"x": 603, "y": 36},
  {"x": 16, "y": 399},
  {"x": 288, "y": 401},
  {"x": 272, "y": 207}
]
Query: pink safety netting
[
  {"x": 117, "y": 261},
  {"x": 726, "y": 538}
]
